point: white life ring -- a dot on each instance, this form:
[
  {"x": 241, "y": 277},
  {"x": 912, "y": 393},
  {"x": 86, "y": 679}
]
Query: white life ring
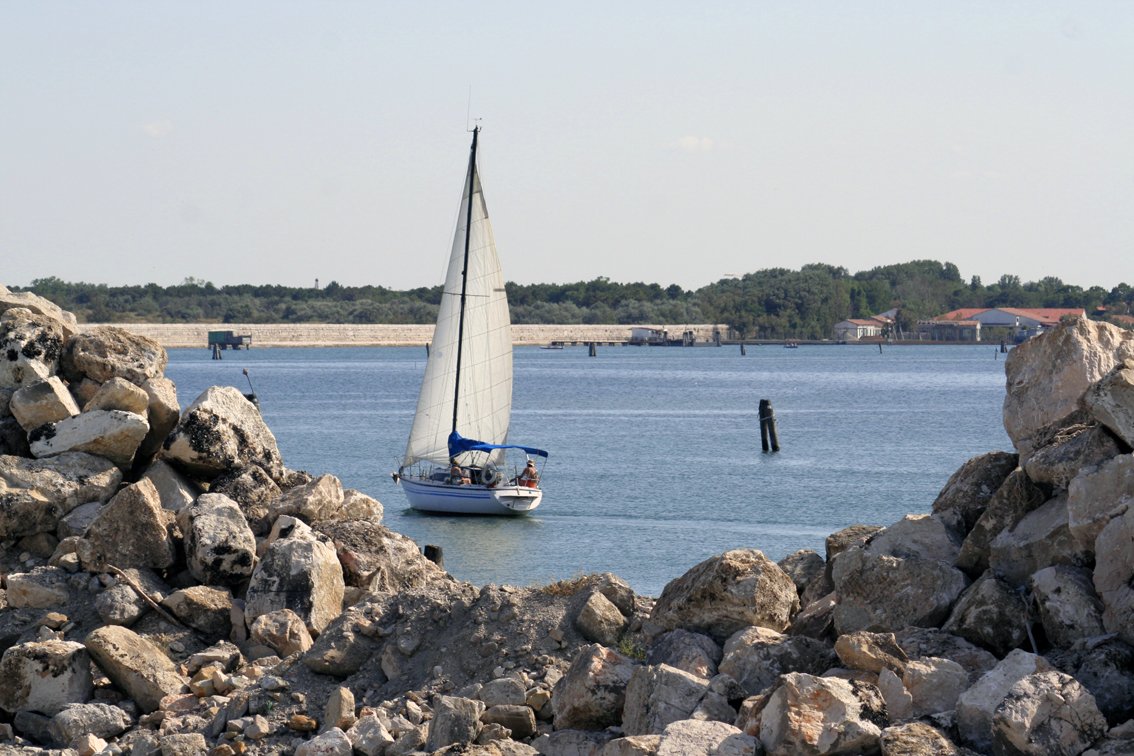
[{"x": 490, "y": 476}]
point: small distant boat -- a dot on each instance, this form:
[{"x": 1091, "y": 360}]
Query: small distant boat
[
  {"x": 552, "y": 345},
  {"x": 455, "y": 460},
  {"x": 791, "y": 345}
]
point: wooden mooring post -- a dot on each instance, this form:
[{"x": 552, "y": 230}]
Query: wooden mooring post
[
  {"x": 593, "y": 349},
  {"x": 742, "y": 352},
  {"x": 216, "y": 351},
  {"x": 768, "y": 437}
]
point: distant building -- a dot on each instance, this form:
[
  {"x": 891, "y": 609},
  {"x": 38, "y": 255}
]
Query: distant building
[
  {"x": 1011, "y": 323},
  {"x": 863, "y": 329}
]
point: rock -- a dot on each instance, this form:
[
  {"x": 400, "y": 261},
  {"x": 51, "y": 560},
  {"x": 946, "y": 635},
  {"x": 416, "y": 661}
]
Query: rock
[
  {"x": 282, "y": 631},
  {"x": 376, "y": 558},
  {"x": 817, "y": 619},
  {"x": 79, "y": 519},
  {"x": 254, "y": 491},
  {"x": 39, "y": 306},
  {"x": 39, "y": 588},
  {"x": 119, "y": 604},
  {"x": 592, "y": 693},
  {"x": 135, "y": 665},
  {"x": 871, "y": 652},
  {"x": 519, "y": 719},
  {"x": 369, "y": 737},
  {"x": 320, "y": 499},
  {"x": 695, "y": 738},
  {"x": 1068, "y": 606},
  {"x": 1047, "y": 376},
  {"x": 30, "y": 346},
  {"x": 755, "y": 657},
  {"x": 1111, "y": 400},
  {"x": 968, "y": 491},
  {"x": 599, "y": 621},
  {"x": 1106, "y": 669},
  {"x": 342, "y": 648},
  {"x": 359, "y": 506},
  {"x": 808, "y": 714},
  {"x": 99, "y": 719},
  {"x": 119, "y": 394},
  {"x": 174, "y": 489},
  {"x": 695, "y": 653},
  {"x": 299, "y": 571},
  {"x": 917, "y": 739},
  {"x": 1044, "y": 714},
  {"x": 185, "y": 744},
  {"x": 339, "y": 711},
  {"x": 919, "y": 642},
  {"x": 1016, "y": 497},
  {"x": 572, "y": 743},
  {"x": 202, "y": 608},
  {"x": 25, "y": 512},
  {"x": 1097, "y": 494},
  {"x": 916, "y": 537},
  {"x": 137, "y": 511},
  {"x": 66, "y": 480},
  {"x": 658, "y": 696},
  {"x": 1041, "y": 539},
  {"x": 725, "y": 593},
  {"x": 110, "y": 352},
  {"x": 934, "y": 685},
  {"x": 47, "y": 401},
  {"x": 333, "y": 742},
  {"x": 976, "y": 706},
  {"x": 112, "y": 434},
  {"x": 503, "y": 691},
  {"x": 899, "y": 701},
  {"x": 803, "y": 567},
  {"x": 991, "y": 614},
  {"x": 1114, "y": 574},
  {"x": 44, "y": 676},
  {"x": 219, "y": 546},
  {"x": 885, "y": 593},
  {"x": 13, "y": 439},
  {"x": 162, "y": 412},
  {"x": 455, "y": 720},
  {"x": 222, "y": 432},
  {"x": 1069, "y": 451}
]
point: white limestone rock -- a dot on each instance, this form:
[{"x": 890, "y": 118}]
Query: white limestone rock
[
  {"x": 174, "y": 489},
  {"x": 110, "y": 352},
  {"x": 1111, "y": 400},
  {"x": 44, "y": 676},
  {"x": 1114, "y": 575},
  {"x": 977, "y": 705},
  {"x": 659, "y": 696},
  {"x": 47, "y": 401},
  {"x": 223, "y": 432},
  {"x": 219, "y": 546},
  {"x": 592, "y": 693},
  {"x": 1068, "y": 606},
  {"x": 112, "y": 434},
  {"x": 1096, "y": 495},
  {"x": 1047, "y": 714},
  {"x": 1042, "y": 538},
  {"x": 808, "y": 714},
  {"x": 135, "y": 665},
  {"x": 30, "y": 347},
  {"x": 132, "y": 530}
]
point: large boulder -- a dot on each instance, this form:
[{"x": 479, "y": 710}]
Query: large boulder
[
  {"x": 1069, "y": 451},
  {"x": 917, "y": 739},
  {"x": 119, "y": 394},
  {"x": 255, "y": 491},
  {"x": 991, "y": 614},
  {"x": 883, "y": 593},
  {"x": 1068, "y": 606},
  {"x": 725, "y": 593},
  {"x": 934, "y": 685},
  {"x": 30, "y": 347},
  {"x": 593, "y": 692},
  {"x": 755, "y": 657},
  {"x": 66, "y": 480},
  {"x": 693, "y": 737},
  {"x": 658, "y": 696},
  {"x": 47, "y": 401},
  {"x": 44, "y": 676},
  {"x": 1047, "y": 714},
  {"x": 1041, "y": 538},
  {"x": 599, "y": 620},
  {"x": 319, "y": 499},
  {"x": 377, "y": 559},
  {"x": 110, "y": 352},
  {"x": 695, "y": 653},
  {"x": 113, "y": 434},
  {"x": 1017, "y": 496},
  {"x": 921, "y": 642},
  {"x": 803, "y": 567},
  {"x": 25, "y": 512},
  {"x": 1048, "y": 375},
  {"x": 917, "y": 537},
  {"x": 821, "y": 715},
  {"x": 969, "y": 489},
  {"x": 98, "y": 719},
  {"x": 40, "y": 306},
  {"x": 1114, "y": 575},
  {"x": 282, "y": 631},
  {"x": 219, "y": 546},
  {"x": 977, "y": 705},
  {"x": 162, "y": 412},
  {"x": 174, "y": 489},
  {"x": 1111, "y": 401},
  {"x": 132, "y": 530},
  {"x": 1095, "y": 495},
  {"x": 137, "y": 666},
  {"x": 299, "y": 571},
  {"x": 871, "y": 652},
  {"x": 221, "y": 432}
]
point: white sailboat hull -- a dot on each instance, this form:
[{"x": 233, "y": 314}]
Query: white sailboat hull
[{"x": 434, "y": 496}]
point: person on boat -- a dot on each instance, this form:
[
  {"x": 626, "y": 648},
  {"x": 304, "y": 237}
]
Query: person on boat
[
  {"x": 457, "y": 476},
  {"x": 530, "y": 476}
]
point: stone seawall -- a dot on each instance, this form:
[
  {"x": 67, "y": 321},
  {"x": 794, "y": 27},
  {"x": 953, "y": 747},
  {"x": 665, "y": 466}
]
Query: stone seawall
[{"x": 177, "y": 335}]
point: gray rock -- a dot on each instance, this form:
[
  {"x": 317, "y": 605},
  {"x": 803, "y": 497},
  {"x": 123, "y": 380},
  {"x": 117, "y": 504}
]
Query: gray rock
[
  {"x": 108, "y": 433},
  {"x": 377, "y": 559},
  {"x": 99, "y": 719},
  {"x": 599, "y": 621},
  {"x": 25, "y": 512},
  {"x": 47, "y": 401},
  {"x": 919, "y": 642},
  {"x": 755, "y": 657},
  {"x": 1041, "y": 539},
  {"x": 592, "y": 693},
  {"x": 1016, "y": 497},
  {"x": 725, "y": 593},
  {"x": 39, "y": 588},
  {"x": 40, "y": 306},
  {"x": 79, "y": 519},
  {"x": 219, "y": 546},
  {"x": 369, "y": 737},
  {"x": 658, "y": 696},
  {"x": 1045, "y": 714},
  {"x": 162, "y": 412},
  {"x": 31, "y": 345},
  {"x": 1097, "y": 494},
  {"x": 803, "y": 567},
  {"x": 977, "y": 705},
  {"x": 203, "y": 608},
  {"x": 135, "y": 665},
  {"x": 67, "y": 480},
  {"x": 455, "y": 720},
  {"x": 1114, "y": 574},
  {"x": 221, "y": 432},
  {"x": 1071, "y": 450},
  {"x": 503, "y": 691},
  {"x": 1106, "y": 669},
  {"x": 917, "y": 739},
  {"x": 968, "y": 491},
  {"x": 119, "y": 394},
  {"x": 359, "y": 506},
  {"x": 253, "y": 489},
  {"x": 1068, "y": 606},
  {"x": 342, "y": 648},
  {"x": 132, "y": 530},
  {"x": 1111, "y": 400},
  {"x": 695, "y": 653},
  {"x": 174, "y": 489},
  {"x": 320, "y": 499},
  {"x": 519, "y": 719},
  {"x": 916, "y": 537},
  {"x": 187, "y": 744},
  {"x": 282, "y": 631},
  {"x": 991, "y": 614},
  {"x": 44, "y": 676},
  {"x": 934, "y": 685},
  {"x": 111, "y": 352},
  {"x": 691, "y": 737}
]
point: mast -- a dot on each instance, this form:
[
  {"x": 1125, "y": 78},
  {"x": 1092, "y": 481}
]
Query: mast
[{"x": 465, "y": 276}]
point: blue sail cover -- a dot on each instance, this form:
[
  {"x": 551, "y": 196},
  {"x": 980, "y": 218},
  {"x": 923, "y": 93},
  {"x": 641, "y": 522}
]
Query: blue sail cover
[{"x": 458, "y": 444}]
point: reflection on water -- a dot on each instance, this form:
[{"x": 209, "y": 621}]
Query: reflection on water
[{"x": 655, "y": 453}]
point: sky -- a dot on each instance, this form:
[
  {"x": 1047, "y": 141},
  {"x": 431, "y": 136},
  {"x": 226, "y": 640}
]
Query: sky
[{"x": 667, "y": 142}]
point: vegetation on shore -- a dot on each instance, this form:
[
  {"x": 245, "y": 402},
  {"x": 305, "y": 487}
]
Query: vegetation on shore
[{"x": 770, "y": 303}]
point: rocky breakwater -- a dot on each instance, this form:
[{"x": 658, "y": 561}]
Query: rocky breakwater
[{"x": 170, "y": 585}]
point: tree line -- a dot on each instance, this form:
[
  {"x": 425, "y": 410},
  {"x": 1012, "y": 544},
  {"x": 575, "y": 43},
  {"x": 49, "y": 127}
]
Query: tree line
[{"x": 770, "y": 303}]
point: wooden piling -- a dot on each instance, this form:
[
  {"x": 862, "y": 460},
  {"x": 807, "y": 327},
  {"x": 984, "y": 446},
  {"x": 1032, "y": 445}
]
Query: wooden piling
[
  {"x": 742, "y": 352},
  {"x": 768, "y": 437},
  {"x": 216, "y": 351},
  {"x": 592, "y": 349}
]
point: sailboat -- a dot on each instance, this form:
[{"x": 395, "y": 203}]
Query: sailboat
[{"x": 457, "y": 456}]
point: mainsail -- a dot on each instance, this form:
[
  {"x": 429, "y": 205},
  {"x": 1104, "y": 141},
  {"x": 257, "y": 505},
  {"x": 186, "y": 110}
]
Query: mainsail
[{"x": 484, "y": 406}]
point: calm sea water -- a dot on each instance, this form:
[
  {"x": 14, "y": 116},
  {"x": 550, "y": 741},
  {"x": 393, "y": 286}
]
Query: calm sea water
[{"x": 655, "y": 452}]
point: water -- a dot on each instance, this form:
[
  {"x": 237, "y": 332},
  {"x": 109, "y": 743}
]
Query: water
[{"x": 655, "y": 452}]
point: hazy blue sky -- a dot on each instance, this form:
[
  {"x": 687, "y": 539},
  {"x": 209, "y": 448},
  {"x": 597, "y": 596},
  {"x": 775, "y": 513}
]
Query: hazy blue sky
[{"x": 672, "y": 142}]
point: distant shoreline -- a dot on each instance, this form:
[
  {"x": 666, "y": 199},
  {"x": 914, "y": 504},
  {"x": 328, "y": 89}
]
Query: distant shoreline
[{"x": 266, "y": 335}]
